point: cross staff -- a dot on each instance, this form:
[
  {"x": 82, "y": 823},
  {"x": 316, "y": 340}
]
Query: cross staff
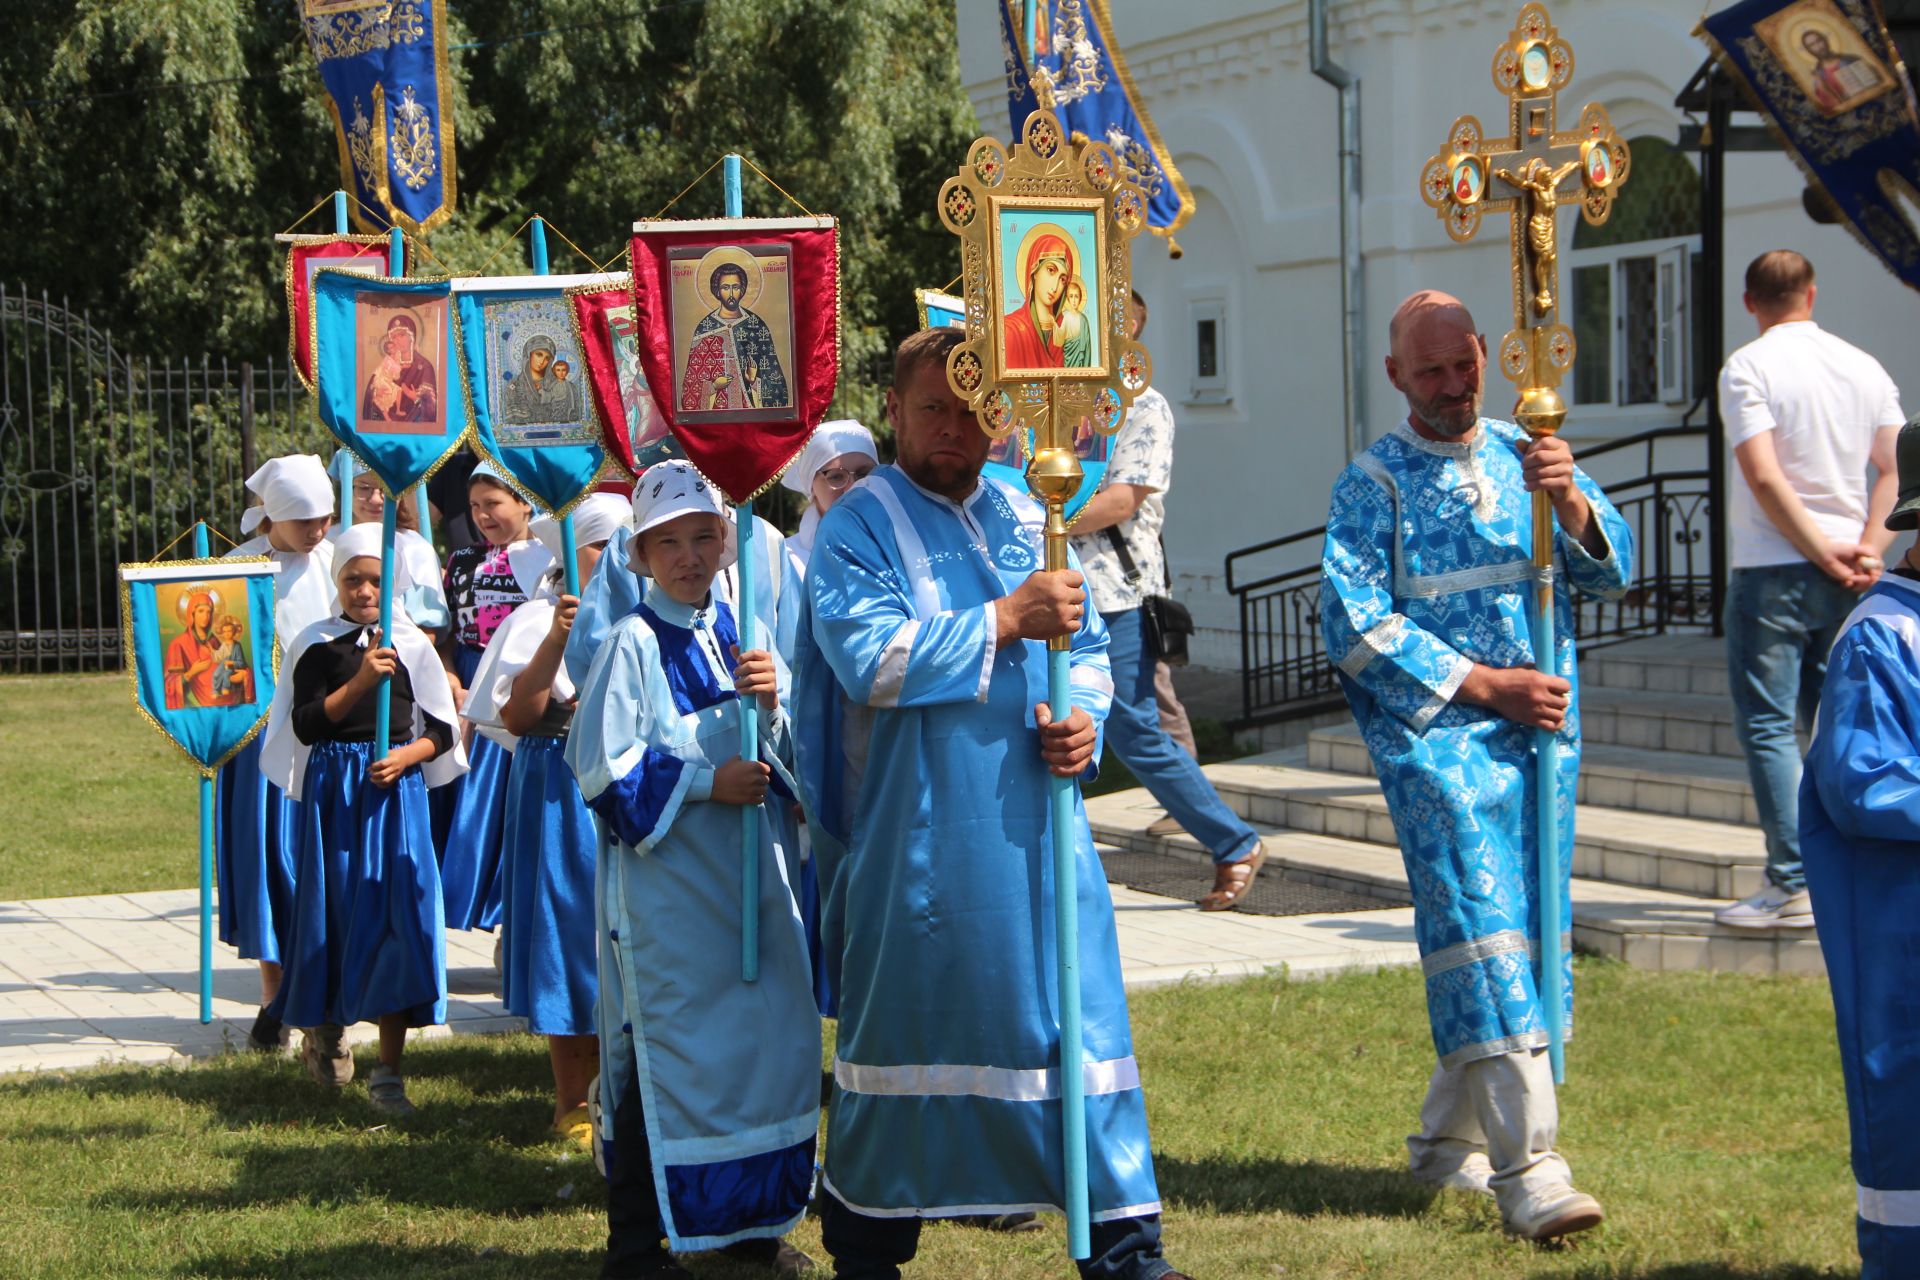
[{"x": 1531, "y": 165}]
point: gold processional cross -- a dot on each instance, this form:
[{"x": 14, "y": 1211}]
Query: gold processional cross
[{"x": 1530, "y": 164}]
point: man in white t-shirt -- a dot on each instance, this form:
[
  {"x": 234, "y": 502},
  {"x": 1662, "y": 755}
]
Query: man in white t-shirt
[
  {"x": 1127, "y": 512},
  {"x": 1805, "y": 414}
]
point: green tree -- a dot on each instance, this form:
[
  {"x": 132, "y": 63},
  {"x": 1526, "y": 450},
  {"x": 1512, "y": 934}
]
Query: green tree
[{"x": 149, "y": 150}]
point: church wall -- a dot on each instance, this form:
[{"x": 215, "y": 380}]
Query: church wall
[{"x": 1253, "y": 129}]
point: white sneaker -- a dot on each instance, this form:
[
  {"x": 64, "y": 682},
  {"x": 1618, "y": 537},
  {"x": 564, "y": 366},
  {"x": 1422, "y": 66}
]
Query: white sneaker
[
  {"x": 1771, "y": 908},
  {"x": 1552, "y": 1216}
]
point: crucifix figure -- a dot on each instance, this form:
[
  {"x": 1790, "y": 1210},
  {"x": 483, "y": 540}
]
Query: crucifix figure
[
  {"x": 1531, "y": 67},
  {"x": 1542, "y": 187}
]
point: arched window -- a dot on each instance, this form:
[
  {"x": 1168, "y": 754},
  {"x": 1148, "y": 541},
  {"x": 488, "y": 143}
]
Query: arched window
[{"x": 1633, "y": 280}]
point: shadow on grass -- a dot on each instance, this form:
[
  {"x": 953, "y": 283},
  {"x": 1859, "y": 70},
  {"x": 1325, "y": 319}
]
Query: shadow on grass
[
  {"x": 436, "y": 1172},
  {"x": 374, "y": 1260},
  {"x": 1303, "y": 1188},
  {"x": 1711, "y": 1271}
]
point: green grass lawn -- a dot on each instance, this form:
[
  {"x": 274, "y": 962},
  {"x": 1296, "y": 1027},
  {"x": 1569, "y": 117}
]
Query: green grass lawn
[
  {"x": 97, "y": 801},
  {"x": 1704, "y": 1110}
]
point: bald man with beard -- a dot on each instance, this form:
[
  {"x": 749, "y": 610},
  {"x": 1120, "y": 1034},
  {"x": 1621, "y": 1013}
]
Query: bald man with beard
[{"x": 1426, "y": 577}]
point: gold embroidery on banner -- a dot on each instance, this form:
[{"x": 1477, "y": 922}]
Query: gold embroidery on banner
[
  {"x": 1080, "y": 72},
  {"x": 363, "y": 144},
  {"x": 1142, "y": 168},
  {"x": 411, "y": 143},
  {"x": 1826, "y": 140},
  {"x": 366, "y": 30}
]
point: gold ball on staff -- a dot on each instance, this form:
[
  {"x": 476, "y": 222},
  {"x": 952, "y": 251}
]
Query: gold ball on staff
[
  {"x": 1054, "y": 475},
  {"x": 1540, "y": 411}
]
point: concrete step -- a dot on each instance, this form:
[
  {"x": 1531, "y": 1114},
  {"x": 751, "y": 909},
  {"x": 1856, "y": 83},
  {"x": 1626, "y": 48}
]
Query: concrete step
[
  {"x": 1711, "y": 788},
  {"x": 1663, "y": 664},
  {"x": 1689, "y": 723},
  {"x": 1649, "y": 928},
  {"x": 1678, "y": 855}
]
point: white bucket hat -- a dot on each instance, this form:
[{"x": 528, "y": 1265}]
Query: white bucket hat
[{"x": 667, "y": 491}]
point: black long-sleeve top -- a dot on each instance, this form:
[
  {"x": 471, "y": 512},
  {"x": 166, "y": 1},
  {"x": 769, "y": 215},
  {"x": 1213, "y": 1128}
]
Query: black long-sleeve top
[{"x": 327, "y": 666}]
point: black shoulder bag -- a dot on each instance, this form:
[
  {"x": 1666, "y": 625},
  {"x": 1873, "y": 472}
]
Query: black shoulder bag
[{"x": 1166, "y": 620}]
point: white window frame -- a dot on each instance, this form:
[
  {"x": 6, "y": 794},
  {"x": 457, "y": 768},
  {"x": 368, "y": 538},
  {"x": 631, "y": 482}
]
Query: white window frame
[
  {"x": 1673, "y": 259},
  {"x": 1218, "y": 389}
]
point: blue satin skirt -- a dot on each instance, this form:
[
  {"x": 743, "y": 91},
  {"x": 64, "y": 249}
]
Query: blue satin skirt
[
  {"x": 469, "y": 825},
  {"x": 548, "y": 909},
  {"x": 366, "y": 936},
  {"x": 253, "y": 857}
]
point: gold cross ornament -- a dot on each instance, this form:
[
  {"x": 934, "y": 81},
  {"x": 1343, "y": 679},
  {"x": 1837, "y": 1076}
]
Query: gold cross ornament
[{"x": 1523, "y": 174}]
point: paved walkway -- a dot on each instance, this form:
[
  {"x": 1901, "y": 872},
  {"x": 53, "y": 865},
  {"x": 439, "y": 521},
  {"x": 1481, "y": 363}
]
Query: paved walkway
[{"x": 116, "y": 977}]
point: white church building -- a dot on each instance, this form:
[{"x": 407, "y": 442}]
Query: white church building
[{"x": 1245, "y": 328}]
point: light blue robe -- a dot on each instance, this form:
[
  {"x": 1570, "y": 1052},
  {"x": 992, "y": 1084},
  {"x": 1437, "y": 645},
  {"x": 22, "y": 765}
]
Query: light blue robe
[
  {"x": 1428, "y": 569},
  {"x": 929, "y": 800},
  {"x": 728, "y": 1071},
  {"x": 1860, "y": 836}
]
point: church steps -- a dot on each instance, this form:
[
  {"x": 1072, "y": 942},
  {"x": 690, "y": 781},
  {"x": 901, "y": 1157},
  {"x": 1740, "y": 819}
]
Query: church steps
[
  {"x": 1683, "y": 855},
  {"x": 1648, "y": 928},
  {"x": 1691, "y": 723},
  {"x": 1679, "y": 784},
  {"x": 1667, "y": 664}
]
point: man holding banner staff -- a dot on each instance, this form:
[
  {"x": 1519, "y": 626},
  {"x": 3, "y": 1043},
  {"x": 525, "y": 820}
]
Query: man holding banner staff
[
  {"x": 925, "y": 745},
  {"x": 1427, "y": 574}
]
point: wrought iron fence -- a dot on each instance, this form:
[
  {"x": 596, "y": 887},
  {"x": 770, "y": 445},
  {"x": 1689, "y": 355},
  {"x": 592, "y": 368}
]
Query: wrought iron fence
[
  {"x": 105, "y": 457},
  {"x": 1284, "y": 671}
]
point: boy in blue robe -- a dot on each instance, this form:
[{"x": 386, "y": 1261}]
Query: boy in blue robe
[
  {"x": 1860, "y": 840},
  {"x": 1426, "y": 577},
  {"x": 921, "y": 683},
  {"x": 709, "y": 1086}
]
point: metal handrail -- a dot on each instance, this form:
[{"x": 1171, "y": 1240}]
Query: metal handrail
[{"x": 1293, "y": 669}]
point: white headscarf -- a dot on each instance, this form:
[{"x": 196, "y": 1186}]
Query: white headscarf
[
  {"x": 830, "y": 440},
  {"x": 250, "y": 518},
  {"x": 668, "y": 491},
  {"x": 594, "y": 520},
  {"x": 295, "y": 487},
  {"x": 362, "y": 539}
]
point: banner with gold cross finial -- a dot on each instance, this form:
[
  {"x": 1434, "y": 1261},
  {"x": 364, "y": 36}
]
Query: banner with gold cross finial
[{"x": 384, "y": 66}]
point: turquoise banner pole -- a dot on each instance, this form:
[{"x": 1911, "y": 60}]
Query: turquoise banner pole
[
  {"x": 1066, "y": 929},
  {"x": 749, "y": 707},
  {"x": 389, "y": 523},
  {"x": 1546, "y": 762},
  {"x": 339, "y": 213},
  {"x": 203, "y": 551},
  {"x": 569, "y": 548}
]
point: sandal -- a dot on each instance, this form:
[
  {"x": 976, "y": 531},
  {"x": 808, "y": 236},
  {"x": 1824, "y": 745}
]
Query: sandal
[{"x": 1231, "y": 880}]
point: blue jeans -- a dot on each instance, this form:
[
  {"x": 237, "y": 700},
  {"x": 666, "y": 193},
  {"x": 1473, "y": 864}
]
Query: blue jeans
[
  {"x": 1780, "y": 621},
  {"x": 865, "y": 1248},
  {"x": 1173, "y": 776}
]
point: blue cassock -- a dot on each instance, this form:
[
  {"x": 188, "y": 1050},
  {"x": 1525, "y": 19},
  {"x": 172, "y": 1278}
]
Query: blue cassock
[
  {"x": 1860, "y": 837},
  {"x": 728, "y": 1071},
  {"x": 929, "y": 799},
  {"x": 1428, "y": 569}
]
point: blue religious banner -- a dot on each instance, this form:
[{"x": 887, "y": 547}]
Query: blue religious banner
[
  {"x": 1830, "y": 83},
  {"x": 940, "y": 310},
  {"x": 200, "y": 651},
  {"x": 525, "y": 377},
  {"x": 384, "y": 65},
  {"x": 384, "y": 356},
  {"x": 1070, "y": 64}
]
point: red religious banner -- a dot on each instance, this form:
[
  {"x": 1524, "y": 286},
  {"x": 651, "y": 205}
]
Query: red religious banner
[
  {"x": 366, "y": 255},
  {"x": 603, "y": 323},
  {"x": 738, "y": 328}
]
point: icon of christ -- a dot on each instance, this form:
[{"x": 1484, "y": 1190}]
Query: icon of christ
[{"x": 732, "y": 362}]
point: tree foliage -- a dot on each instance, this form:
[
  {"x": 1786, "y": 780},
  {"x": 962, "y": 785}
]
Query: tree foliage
[{"x": 149, "y": 149}]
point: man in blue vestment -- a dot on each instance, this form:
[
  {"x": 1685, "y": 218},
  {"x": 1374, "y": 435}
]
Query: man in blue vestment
[
  {"x": 924, "y": 746},
  {"x": 1860, "y": 839},
  {"x": 1427, "y": 573}
]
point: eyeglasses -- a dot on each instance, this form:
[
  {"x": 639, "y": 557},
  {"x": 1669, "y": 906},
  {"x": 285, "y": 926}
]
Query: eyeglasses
[{"x": 838, "y": 478}]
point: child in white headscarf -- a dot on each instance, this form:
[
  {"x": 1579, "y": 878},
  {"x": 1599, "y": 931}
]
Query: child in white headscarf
[
  {"x": 365, "y": 940},
  {"x": 838, "y": 456},
  {"x": 253, "y": 844}
]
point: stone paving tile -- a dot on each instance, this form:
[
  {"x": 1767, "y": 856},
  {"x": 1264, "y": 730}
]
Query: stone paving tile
[{"x": 116, "y": 978}]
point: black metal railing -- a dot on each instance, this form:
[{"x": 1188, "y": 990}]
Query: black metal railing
[
  {"x": 1284, "y": 671},
  {"x": 106, "y": 457}
]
